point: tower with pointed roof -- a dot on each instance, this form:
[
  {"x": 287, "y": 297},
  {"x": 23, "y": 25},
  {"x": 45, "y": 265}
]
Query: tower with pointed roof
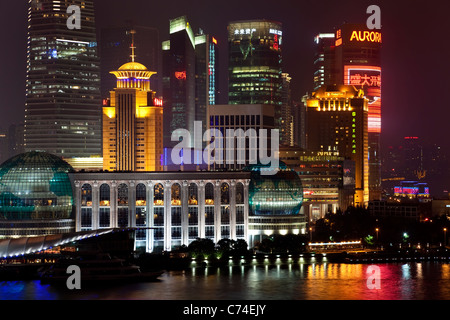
[{"x": 132, "y": 121}]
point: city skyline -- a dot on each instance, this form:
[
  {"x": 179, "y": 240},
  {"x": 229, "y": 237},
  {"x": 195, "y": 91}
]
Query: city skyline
[{"x": 403, "y": 114}]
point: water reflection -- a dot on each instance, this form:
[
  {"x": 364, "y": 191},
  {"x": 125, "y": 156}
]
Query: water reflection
[{"x": 275, "y": 280}]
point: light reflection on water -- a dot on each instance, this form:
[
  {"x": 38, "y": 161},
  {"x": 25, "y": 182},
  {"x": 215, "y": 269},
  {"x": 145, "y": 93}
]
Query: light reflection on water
[{"x": 278, "y": 281}]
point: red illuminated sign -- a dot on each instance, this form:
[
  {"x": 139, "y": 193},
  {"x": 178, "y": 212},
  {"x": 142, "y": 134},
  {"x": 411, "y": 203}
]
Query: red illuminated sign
[
  {"x": 158, "y": 102},
  {"x": 275, "y": 42},
  {"x": 369, "y": 79},
  {"x": 180, "y": 75}
]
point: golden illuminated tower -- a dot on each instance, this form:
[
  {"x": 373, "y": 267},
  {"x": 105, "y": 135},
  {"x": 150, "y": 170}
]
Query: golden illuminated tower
[
  {"x": 132, "y": 122},
  {"x": 337, "y": 122}
]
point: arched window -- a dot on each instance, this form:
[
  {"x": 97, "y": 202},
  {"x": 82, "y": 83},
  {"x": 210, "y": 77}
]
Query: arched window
[
  {"x": 239, "y": 193},
  {"x": 209, "y": 194},
  {"x": 105, "y": 195},
  {"x": 193, "y": 194},
  {"x": 86, "y": 195},
  {"x": 158, "y": 195},
  {"x": 141, "y": 195},
  {"x": 176, "y": 195},
  {"x": 122, "y": 198},
  {"x": 224, "y": 193}
]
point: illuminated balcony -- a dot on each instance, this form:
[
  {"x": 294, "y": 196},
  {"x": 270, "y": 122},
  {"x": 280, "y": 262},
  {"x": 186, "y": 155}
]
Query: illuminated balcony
[{"x": 141, "y": 203}]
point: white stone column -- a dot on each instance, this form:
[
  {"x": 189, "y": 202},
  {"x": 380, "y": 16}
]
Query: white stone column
[
  {"x": 132, "y": 204},
  {"x": 201, "y": 208},
  {"x": 77, "y": 202},
  {"x": 95, "y": 206},
  {"x": 233, "y": 210},
  {"x": 217, "y": 217},
  {"x": 246, "y": 211},
  {"x": 184, "y": 213},
  {"x": 167, "y": 216},
  {"x": 150, "y": 215},
  {"x": 113, "y": 204}
]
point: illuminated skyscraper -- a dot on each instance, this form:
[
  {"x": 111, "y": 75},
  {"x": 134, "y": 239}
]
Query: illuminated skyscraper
[
  {"x": 62, "y": 113},
  {"x": 255, "y": 74},
  {"x": 255, "y": 67},
  {"x": 132, "y": 122},
  {"x": 189, "y": 77},
  {"x": 337, "y": 124},
  {"x": 354, "y": 58}
]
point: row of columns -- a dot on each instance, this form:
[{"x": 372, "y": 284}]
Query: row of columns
[{"x": 184, "y": 195}]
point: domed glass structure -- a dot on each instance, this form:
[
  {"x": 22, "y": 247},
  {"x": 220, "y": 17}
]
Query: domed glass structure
[
  {"x": 35, "y": 195},
  {"x": 272, "y": 195}
]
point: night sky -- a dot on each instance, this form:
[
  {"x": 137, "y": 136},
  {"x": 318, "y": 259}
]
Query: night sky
[{"x": 415, "y": 54}]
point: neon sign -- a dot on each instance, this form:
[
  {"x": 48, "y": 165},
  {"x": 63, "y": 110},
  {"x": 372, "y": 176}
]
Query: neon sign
[
  {"x": 158, "y": 102},
  {"x": 369, "y": 79},
  {"x": 180, "y": 75},
  {"x": 214, "y": 40},
  {"x": 370, "y": 36},
  {"x": 275, "y": 42}
]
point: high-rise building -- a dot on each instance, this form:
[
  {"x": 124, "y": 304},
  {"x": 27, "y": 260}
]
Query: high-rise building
[
  {"x": 353, "y": 57},
  {"x": 132, "y": 122},
  {"x": 189, "y": 78},
  {"x": 62, "y": 113},
  {"x": 286, "y": 119},
  {"x": 114, "y": 46},
  {"x": 255, "y": 73},
  {"x": 337, "y": 122},
  {"x": 324, "y": 43}
]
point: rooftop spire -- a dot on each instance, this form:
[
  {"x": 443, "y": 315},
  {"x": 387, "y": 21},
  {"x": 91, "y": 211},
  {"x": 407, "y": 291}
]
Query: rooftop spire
[{"x": 133, "y": 56}]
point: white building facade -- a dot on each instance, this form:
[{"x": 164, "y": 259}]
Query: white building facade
[{"x": 170, "y": 208}]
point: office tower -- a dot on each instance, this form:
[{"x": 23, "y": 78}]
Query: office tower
[
  {"x": 255, "y": 74},
  {"x": 239, "y": 149},
  {"x": 286, "y": 119},
  {"x": 327, "y": 178},
  {"x": 255, "y": 65},
  {"x": 132, "y": 122},
  {"x": 355, "y": 59},
  {"x": 62, "y": 113},
  {"x": 324, "y": 43},
  {"x": 15, "y": 139},
  {"x": 337, "y": 122},
  {"x": 114, "y": 46},
  {"x": 189, "y": 78},
  {"x": 4, "y": 146}
]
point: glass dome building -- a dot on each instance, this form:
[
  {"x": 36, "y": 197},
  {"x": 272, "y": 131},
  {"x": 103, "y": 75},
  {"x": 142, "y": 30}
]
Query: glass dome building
[
  {"x": 278, "y": 194},
  {"x": 275, "y": 202},
  {"x": 35, "y": 196}
]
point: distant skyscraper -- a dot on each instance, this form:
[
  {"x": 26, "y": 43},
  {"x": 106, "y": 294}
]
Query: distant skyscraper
[
  {"x": 133, "y": 122},
  {"x": 189, "y": 77},
  {"x": 286, "y": 119},
  {"x": 255, "y": 66},
  {"x": 255, "y": 74},
  {"x": 62, "y": 113},
  {"x": 114, "y": 46},
  {"x": 353, "y": 57},
  {"x": 324, "y": 42},
  {"x": 337, "y": 123}
]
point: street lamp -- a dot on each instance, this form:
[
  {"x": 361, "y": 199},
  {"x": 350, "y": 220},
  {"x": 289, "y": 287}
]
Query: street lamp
[
  {"x": 376, "y": 230},
  {"x": 310, "y": 234},
  {"x": 445, "y": 237}
]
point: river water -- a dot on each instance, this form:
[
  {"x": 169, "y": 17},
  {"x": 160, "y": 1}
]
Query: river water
[{"x": 280, "y": 280}]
